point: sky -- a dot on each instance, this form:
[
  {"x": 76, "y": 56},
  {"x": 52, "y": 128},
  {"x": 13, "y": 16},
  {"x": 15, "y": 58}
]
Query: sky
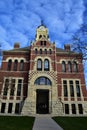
[{"x": 20, "y": 18}]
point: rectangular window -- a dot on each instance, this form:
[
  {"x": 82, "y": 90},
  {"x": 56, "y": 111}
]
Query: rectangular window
[
  {"x": 71, "y": 88},
  {"x": 3, "y": 107},
  {"x": 65, "y": 88},
  {"x": 66, "y": 108},
  {"x": 10, "y": 107},
  {"x": 19, "y": 87},
  {"x": 6, "y": 87},
  {"x": 80, "y": 108},
  {"x": 78, "y": 89},
  {"x": 17, "y": 108},
  {"x": 12, "y": 87}
]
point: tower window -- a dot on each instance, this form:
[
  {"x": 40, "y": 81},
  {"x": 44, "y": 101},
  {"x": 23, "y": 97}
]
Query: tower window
[
  {"x": 39, "y": 64},
  {"x": 41, "y": 43},
  {"x": 63, "y": 66},
  {"x": 21, "y": 65},
  {"x": 44, "y": 43},
  {"x": 9, "y": 64},
  {"x": 15, "y": 65},
  {"x": 36, "y": 51},
  {"x": 46, "y": 65},
  {"x": 50, "y": 51},
  {"x": 45, "y": 51},
  {"x": 40, "y": 36},
  {"x": 40, "y": 51},
  {"x": 69, "y": 66},
  {"x": 75, "y": 67}
]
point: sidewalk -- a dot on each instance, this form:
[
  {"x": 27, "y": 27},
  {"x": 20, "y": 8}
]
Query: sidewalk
[{"x": 45, "y": 123}]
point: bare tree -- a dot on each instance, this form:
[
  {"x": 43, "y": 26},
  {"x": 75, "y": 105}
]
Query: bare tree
[{"x": 79, "y": 41}]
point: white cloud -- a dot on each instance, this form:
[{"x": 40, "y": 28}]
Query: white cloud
[{"x": 22, "y": 17}]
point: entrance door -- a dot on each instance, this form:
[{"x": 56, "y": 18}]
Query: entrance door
[{"x": 42, "y": 102}]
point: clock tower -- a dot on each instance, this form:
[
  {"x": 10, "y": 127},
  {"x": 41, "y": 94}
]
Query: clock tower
[{"x": 42, "y": 33}]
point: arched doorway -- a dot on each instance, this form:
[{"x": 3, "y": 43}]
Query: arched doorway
[{"x": 42, "y": 95}]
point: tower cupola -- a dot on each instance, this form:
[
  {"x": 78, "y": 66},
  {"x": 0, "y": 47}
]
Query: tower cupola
[{"x": 42, "y": 33}]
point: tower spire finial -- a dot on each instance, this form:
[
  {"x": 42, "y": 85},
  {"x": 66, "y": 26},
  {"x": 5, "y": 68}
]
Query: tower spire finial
[{"x": 42, "y": 22}]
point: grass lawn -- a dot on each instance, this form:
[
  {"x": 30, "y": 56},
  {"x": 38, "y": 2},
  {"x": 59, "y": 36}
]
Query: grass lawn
[
  {"x": 16, "y": 123},
  {"x": 72, "y": 123}
]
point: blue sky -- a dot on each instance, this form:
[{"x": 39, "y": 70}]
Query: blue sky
[{"x": 20, "y": 18}]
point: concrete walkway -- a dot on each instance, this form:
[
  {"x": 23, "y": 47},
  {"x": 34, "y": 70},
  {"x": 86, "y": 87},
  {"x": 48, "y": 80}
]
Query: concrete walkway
[{"x": 45, "y": 123}]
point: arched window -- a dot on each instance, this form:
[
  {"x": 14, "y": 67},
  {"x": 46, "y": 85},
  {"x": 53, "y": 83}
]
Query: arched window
[
  {"x": 40, "y": 36},
  {"x": 63, "y": 66},
  {"x": 50, "y": 51},
  {"x": 21, "y": 65},
  {"x": 40, "y": 51},
  {"x": 46, "y": 64},
  {"x": 9, "y": 64},
  {"x": 45, "y": 51},
  {"x": 15, "y": 65},
  {"x": 69, "y": 66},
  {"x": 75, "y": 67},
  {"x": 36, "y": 51},
  {"x": 42, "y": 81},
  {"x": 39, "y": 64}
]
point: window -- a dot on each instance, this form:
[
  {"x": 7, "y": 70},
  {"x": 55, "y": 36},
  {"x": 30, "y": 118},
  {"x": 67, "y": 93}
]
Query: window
[
  {"x": 6, "y": 87},
  {"x": 78, "y": 89},
  {"x": 40, "y": 36},
  {"x": 69, "y": 66},
  {"x": 44, "y": 43},
  {"x": 45, "y": 51},
  {"x": 36, "y": 51},
  {"x": 42, "y": 81},
  {"x": 40, "y": 51},
  {"x": 3, "y": 107},
  {"x": 65, "y": 88},
  {"x": 19, "y": 87},
  {"x": 50, "y": 51},
  {"x": 15, "y": 65},
  {"x": 12, "y": 87},
  {"x": 46, "y": 65},
  {"x": 9, "y": 65},
  {"x": 66, "y": 108},
  {"x": 73, "y": 109},
  {"x": 10, "y": 107},
  {"x": 63, "y": 66},
  {"x": 39, "y": 64},
  {"x": 75, "y": 67},
  {"x": 71, "y": 88},
  {"x": 17, "y": 108},
  {"x": 80, "y": 108},
  {"x": 21, "y": 65}
]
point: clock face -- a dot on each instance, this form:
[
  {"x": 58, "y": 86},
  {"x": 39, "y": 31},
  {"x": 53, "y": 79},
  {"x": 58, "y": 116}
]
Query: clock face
[{"x": 42, "y": 28}]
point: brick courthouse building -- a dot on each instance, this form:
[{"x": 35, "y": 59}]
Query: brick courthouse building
[{"x": 42, "y": 79}]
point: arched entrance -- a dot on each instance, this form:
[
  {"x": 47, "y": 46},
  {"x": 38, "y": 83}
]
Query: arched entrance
[
  {"x": 42, "y": 101},
  {"x": 42, "y": 95}
]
